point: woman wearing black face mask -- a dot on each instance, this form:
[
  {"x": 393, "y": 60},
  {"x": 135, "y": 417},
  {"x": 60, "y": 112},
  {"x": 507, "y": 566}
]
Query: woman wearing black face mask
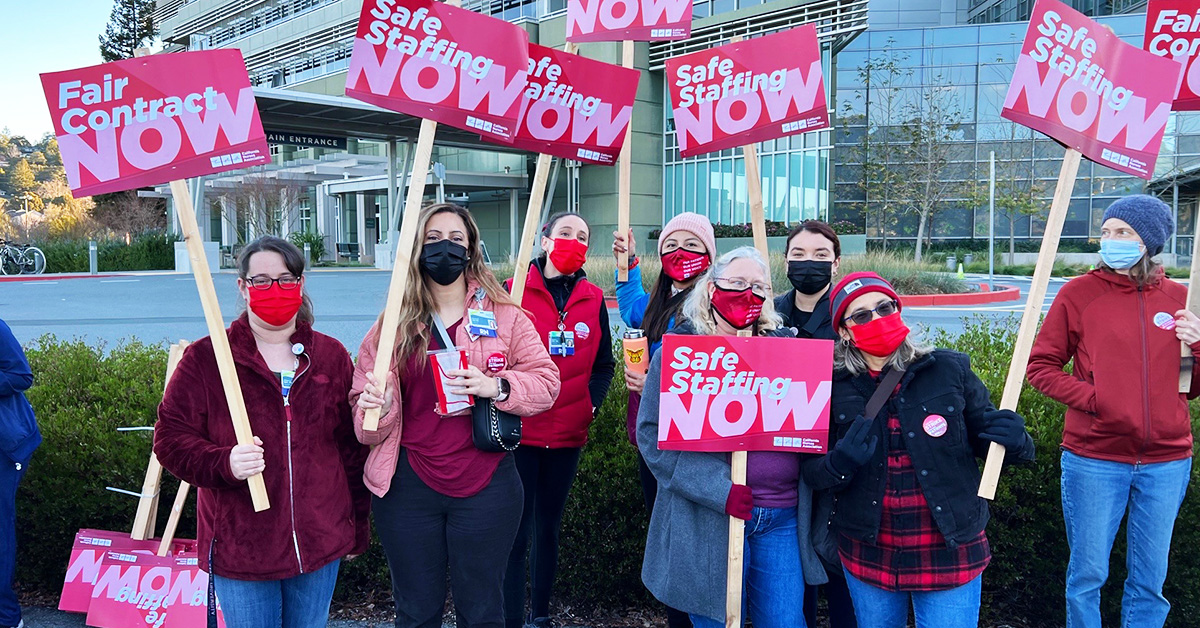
[
  {"x": 438, "y": 499},
  {"x": 813, "y": 255}
]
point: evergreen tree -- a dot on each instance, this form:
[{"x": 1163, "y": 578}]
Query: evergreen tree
[
  {"x": 20, "y": 178},
  {"x": 130, "y": 26}
]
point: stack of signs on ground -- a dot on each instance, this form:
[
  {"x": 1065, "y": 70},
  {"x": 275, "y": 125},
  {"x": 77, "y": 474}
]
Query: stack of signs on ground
[
  {"x": 574, "y": 107},
  {"x": 620, "y": 20},
  {"x": 1080, "y": 84},
  {"x": 1173, "y": 31},
  {"x": 725, "y": 393},
  {"x": 442, "y": 63},
  {"x": 748, "y": 91},
  {"x": 154, "y": 119}
]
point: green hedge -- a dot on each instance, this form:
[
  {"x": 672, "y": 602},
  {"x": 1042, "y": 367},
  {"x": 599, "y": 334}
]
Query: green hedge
[
  {"x": 82, "y": 394},
  {"x": 149, "y": 251}
]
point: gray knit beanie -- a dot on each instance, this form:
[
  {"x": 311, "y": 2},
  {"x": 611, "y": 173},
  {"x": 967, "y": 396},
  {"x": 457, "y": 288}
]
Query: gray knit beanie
[{"x": 1149, "y": 217}]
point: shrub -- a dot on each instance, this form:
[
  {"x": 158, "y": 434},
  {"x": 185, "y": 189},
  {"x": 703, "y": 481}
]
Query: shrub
[
  {"x": 907, "y": 276},
  {"x": 315, "y": 242},
  {"x": 153, "y": 250}
]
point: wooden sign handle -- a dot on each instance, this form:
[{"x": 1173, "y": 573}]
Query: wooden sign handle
[
  {"x": 737, "y": 539},
  {"x": 625, "y": 176},
  {"x": 216, "y": 331},
  {"x": 173, "y": 521},
  {"x": 144, "y": 520},
  {"x": 1186, "y": 361},
  {"x": 1033, "y": 312}
]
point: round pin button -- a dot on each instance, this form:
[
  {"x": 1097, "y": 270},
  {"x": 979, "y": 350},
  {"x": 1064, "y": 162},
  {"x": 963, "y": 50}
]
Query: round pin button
[
  {"x": 496, "y": 362},
  {"x": 582, "y": 331},
  {"x": 1162, "y": 320},
  {"x": 935, "y": 425}
]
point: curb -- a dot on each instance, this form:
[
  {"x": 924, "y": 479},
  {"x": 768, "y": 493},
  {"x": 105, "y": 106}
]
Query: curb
[
  {"x": 984, "y": 296},
  {"x": 15, "y": 278}
]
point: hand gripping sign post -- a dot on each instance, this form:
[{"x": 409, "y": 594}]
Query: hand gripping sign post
[
  {"x": 477, "y": 65},
  {"x": 1080, "y": 84},
  {"x": 574, "y": 108},
  {"x": 153, "y": 119},
  {"x": 721, "y": 393}
]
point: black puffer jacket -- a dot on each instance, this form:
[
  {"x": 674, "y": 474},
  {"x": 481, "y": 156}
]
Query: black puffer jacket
[{"x": 940, "y": 383}]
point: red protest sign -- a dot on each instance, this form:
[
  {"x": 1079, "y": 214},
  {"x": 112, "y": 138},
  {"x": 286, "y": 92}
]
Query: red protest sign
[
  {"x": 725, "y": 393},
  {"x": 1173, "y": 31},
  {"x": 575, "y": 107},
  {"x": 1080, "y": 84},
  {"x": 435, "y": 61},
  {"x": 148, "y": 590},
  {"x": 748, "y": 92},
  {"x": 88, "y": 553},
  {"x": 637, "y": 20},
  {"x": 154, "y": 119}
]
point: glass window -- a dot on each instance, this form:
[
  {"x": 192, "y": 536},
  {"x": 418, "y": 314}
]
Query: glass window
[
  {"x": 669, "y": 190},
  {"x": 766, "y": 167},
  {"x": 741, "y": 213},
  {"x": 689, "y": 187},
  {"x": 680, "y": 204},
  {"x": 953, "y": 36},
  {"x": 700, "y": 183},
  {"x": 952, "y": 55},
  {"x": 715, "y": 189},
  {"x": 727, "y": 191},
  {"x": 907, "y": 38},
  {"x": 811, "y": 197}
]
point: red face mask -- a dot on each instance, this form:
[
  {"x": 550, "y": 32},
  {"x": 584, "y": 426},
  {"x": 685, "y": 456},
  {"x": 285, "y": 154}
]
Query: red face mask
[
  {"x": 568, "y": 255},
  {"x": 739, "y": 308},
  {"x": 682, "y": 264},
  {"x": 880, "y": 337},
  {"x": 275, "y": 306}
]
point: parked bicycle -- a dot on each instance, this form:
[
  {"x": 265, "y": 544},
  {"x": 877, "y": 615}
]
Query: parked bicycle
[{"x": 21, "y": 259}]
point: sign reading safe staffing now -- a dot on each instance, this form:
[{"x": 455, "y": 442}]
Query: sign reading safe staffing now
[
  {"x": 637, "y": 20},
  {"x": 431, "y": 60},
  {"x": 725, "y": 393},
  {"x": 1080, "y": 84},
  {"x": 575, "y": 107},
  {"x": 149, "y": 120},
  {"x": 746, "y": 92},
  {"x": 1173, "y": 31}
]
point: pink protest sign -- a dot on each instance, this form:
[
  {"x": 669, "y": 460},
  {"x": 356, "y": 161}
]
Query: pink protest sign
[
  {"x": 724, "y": 393},
  {"x": 1173, "y": 31},
  {"x": 1080, "y": 84},
  {"x": 432, "y": 60},
  {"x": 575, "y": 107},
  {"x": 154, "y": 119},
  {"x": 619, "y": 20},
  {"x": 88, "y": 553},
  {"x": 748, "y": 92},
  {"x": 148, "y": 590}
]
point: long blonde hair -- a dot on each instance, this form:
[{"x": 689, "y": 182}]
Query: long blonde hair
[
  {"x": 698, "y": 307},
  {"x": 417, "y": 307}
]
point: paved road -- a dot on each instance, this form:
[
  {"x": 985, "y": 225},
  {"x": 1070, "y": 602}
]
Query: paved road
[{"x": 162, "y": 308}]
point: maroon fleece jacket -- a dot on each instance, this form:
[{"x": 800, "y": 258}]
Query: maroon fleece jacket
[{"x": 319, "y": 505}]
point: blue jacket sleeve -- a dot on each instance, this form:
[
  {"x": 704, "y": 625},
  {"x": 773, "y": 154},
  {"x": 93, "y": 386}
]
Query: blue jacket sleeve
[
  {"x": 632, "y": 298},
  {"x": 15, "y": 375}
]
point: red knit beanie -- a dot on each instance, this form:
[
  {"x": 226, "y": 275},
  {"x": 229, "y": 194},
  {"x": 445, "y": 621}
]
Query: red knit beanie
[{"x": 853, "y": 286}]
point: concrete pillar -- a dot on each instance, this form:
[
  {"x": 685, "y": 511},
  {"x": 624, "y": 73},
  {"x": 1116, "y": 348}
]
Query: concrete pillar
[
  {"x": 514, "y": 226},
  {"x": 228, "y": 222},
  {"x": 361, "y": 223}
]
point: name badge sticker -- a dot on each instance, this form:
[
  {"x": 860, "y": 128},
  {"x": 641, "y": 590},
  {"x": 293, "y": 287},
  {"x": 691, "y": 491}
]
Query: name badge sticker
[
  {"x": 481, "y": 323},
  {"x": 285, "y": 381}
]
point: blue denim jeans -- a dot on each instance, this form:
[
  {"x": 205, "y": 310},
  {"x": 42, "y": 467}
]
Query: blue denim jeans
[
  {"x": 878, "y": 608},
  {"x": 1096, "y": 494},
  {"x": 298, "y": 602},
  {"x": 10, "y": 477},
  {"x": 773, "y": 581}
]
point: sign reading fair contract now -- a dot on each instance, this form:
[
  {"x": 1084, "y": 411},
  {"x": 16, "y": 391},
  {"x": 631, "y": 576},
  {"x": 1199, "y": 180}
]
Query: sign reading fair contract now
[
  {"x": 154, "y": 119},
  {"x": 1080, "y": 84},
  {"x": 748, "y": 92},
  {"x": 724, "y": 393},
  {"x": 575, "y": 107},
  {"x": 1173, "y": 31},
  {"x": 442, "y": 63}
]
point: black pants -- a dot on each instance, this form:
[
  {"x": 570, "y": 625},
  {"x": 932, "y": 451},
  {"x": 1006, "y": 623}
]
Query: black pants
[
  {"x": 547, "y": 476},
  {"x": 675, "y": 618},
  {"x": 422, "y": 531},
  {"x": 837, "y": 596}
]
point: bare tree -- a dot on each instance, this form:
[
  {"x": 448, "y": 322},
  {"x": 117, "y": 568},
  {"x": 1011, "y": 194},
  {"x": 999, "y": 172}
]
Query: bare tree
[
  {"x": 261, "y": 205},
  {"x": 128, "y": 213}
]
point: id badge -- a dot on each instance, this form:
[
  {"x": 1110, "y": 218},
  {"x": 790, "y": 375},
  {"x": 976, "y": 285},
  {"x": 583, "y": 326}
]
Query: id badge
[
  {"x": 285, "y": 382},
  {"x": 481, "y": 323},
  {"x": 562, "y": 343}
]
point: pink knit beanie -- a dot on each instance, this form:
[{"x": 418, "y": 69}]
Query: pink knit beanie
[{"x": 696, "y": 224}]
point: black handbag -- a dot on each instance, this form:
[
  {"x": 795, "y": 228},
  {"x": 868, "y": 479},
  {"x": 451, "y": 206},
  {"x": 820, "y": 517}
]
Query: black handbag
[{"x": 492, "y": 429}]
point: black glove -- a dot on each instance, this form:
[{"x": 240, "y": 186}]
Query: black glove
[
  {"x": 855, "y": 448},
  {"x": 1004, "y": 427}
]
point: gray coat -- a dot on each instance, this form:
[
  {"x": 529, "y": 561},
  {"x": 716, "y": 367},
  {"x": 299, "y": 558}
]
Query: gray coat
[{"x": 687, "y": 545}]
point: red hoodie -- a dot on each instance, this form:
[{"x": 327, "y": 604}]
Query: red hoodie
[{"x": 1123, "y": 401}]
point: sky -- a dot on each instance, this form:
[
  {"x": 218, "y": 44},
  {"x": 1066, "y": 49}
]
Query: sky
[{"x": 43, "y": 37}]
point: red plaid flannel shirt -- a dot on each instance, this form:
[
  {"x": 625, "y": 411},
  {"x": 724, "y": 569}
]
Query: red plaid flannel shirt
[{"x": 910, "y": 553}]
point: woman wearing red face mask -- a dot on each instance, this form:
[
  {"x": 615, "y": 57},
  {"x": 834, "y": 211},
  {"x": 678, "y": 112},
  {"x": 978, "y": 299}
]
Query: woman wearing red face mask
[
  {"x": 275, "y": 568},
  {"x": 572, "y": 321},
  {"x": 908, "y": 522}
]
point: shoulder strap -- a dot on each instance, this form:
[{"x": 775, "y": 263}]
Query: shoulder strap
[
  {"x": 445, "y": 337},
  {"x": 882, "y": 392}
]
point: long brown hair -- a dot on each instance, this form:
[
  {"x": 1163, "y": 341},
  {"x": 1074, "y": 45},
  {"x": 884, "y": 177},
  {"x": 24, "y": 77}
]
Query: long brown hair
[
  {"x": 1144, "y": 273},
  {"x": 293, "y": 259},
  {"x": 417, "y": 307}
]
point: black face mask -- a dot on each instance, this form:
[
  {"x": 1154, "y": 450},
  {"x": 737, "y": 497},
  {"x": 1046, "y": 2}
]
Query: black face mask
[
  {"x": 809, "y": 276},
  {"x": 443, "y": 261}
]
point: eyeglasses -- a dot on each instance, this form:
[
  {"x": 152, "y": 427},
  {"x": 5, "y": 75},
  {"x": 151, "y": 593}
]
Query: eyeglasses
[
  {"x": 862, "y": 317},
  {"x": 263, "y": 282},
  {"x": 741, "y": 284}
]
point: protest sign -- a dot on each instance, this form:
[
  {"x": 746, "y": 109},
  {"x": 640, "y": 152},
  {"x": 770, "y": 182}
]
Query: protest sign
[
  {"x": 622, "y": 20},
  {"x": 748, "y": 91},
  {"x": 147, "y": 590},
  {"x": 1173, "y": 31},
  {"x": 1080, "y": 84},
  {"x": 436, "y": 61},
  {"x": 724, "y": 393},
  {"x": 149, "y": 120},
  {"x": 87, "y": 555}
]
